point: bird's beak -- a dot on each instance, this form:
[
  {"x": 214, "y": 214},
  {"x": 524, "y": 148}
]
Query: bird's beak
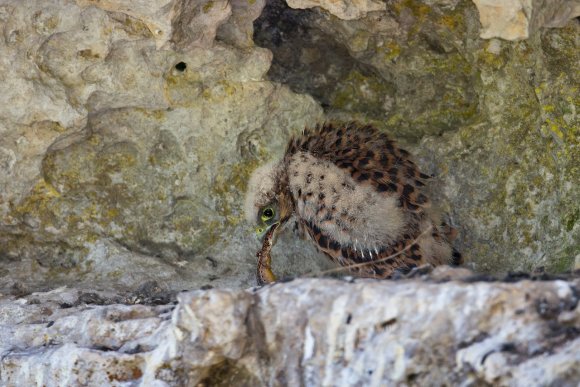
[{"x": 262, "y": 231}]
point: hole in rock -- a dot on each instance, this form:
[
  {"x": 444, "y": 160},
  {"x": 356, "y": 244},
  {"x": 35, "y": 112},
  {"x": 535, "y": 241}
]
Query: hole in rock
[
  {"x": 181, "y": 66},
  {"x": 229, "y": 373}
]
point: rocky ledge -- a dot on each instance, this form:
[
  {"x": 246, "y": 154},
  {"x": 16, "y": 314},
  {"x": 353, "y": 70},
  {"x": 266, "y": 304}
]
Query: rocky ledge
[{"x": 448, "y": 327}]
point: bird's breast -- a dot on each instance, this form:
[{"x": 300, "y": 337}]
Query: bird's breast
[{"x": 346, "y": 211}]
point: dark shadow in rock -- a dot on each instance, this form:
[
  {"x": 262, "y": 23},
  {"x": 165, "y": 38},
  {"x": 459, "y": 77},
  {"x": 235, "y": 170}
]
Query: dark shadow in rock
[
  {"x": 152, "y": 293},
  {"x": 310, "y": 61},
  {"x": 228, "y": 373}
]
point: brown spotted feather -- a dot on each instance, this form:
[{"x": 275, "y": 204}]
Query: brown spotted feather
[{"x": 372, "y": 159}]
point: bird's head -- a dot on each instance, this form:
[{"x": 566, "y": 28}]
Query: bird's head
[{"x": 268, "y": 204}]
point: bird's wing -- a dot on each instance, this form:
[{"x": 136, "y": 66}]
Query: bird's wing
[
  {"x": 352, "y": 234},
  {"x": 370, "y": 157}
]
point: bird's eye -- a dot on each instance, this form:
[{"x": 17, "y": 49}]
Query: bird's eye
[{"x": 267, "y": 214}]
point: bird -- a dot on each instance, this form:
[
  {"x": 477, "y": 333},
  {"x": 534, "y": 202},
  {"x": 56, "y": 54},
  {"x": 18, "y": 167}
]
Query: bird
[{"x": 357, "y": 195}]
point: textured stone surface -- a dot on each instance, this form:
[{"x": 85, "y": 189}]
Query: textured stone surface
[
  {"x": 344, "y": 9},
  {"x": 310, "y": 332},
  {"x": 127, "y": 134},
  {"x": 155, "y": 16},
  {"x": 239, "y": 29},
  {"x": 511, "y": 176},
  {"x": 515, "y": 19}
]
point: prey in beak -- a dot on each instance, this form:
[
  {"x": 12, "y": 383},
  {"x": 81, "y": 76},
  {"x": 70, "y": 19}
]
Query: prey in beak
[{"x": 264, "y": 273}]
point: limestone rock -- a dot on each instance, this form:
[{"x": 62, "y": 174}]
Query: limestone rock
[
  {"x": 126, "y": 136},
  {"x": 239, "y": 28},
  {"x": 196, "y": 22},
  {"x": 515, "y": 19},
  {"x": 311, "y": 332},
  {"x": 154, "y": 16},
  {"x": 344, "y": 9}
]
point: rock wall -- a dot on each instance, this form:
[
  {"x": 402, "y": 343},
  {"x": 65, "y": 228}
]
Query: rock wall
[
  {"x": 305, "y": 332},
  {"x": 128, "y": 129},
  {"x": 127, "y": 134}
]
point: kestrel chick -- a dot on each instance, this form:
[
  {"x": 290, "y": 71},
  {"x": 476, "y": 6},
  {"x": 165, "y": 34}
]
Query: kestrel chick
[{"x": 359, "y": 198}]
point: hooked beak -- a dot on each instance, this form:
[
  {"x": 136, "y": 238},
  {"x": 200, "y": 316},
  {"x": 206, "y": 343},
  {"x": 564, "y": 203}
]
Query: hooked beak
[{"x": 261, "y": 232}]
